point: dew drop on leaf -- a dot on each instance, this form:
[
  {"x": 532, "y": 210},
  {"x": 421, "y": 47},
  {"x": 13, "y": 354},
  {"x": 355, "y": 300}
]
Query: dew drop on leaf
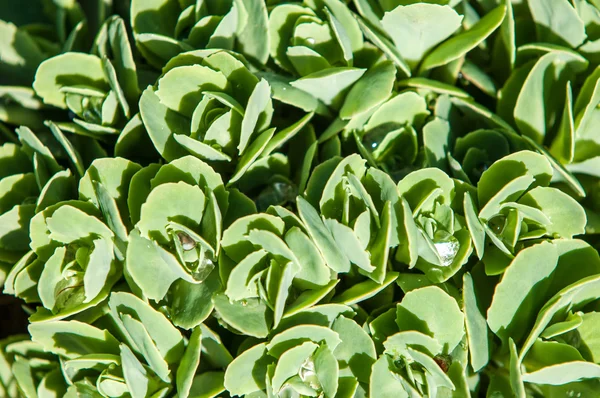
[
  {"x": 497, "y": 223},
  {"x": 447, "y": 247}
]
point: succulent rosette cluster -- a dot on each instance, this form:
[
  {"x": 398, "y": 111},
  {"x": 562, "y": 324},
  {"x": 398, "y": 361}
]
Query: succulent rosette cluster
[
  {"x": 433, "y": 234},
  {"x": 320, "y": 351},
  {"x": 221, "y": 114},
  {"x": 165, "y": 28},
  {"x": 517, "y": 208},
  {"x": 100, "y": 89},
  {"x": 77, "y": 246},
  {"x": 31, "y": 181},
  {"x": 290, "y": 199},
  {"x": 422, "y": 354}
]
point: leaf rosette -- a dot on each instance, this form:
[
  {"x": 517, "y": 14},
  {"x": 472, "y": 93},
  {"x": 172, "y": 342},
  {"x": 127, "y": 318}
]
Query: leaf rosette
[
  {"x": 125, "y": 348},
  {"x": 476, "y": 151},
  {"x": 165, "y": 28},
  {"x": 28, "y": 370},
  {"x": 314, "y": 36},
  {"x": 432, "y": 232},
  {"x": 575, "y": 144},
  {"x": 393, "y": 134},
  {"x": 30, "y": 180},
  {"x": 423, "y": 352},
  {"x": 548, "y": 319},
  {"x": 349, "y": 212},
  {"x": 329, "y": 67},
  {"x": 49, "y": 28},
  {"x": 514, "y": 207},
  {"x": 100, "y": 89},
  {"x": 413, "y": 35},
  {"x": 77, "y": 245},
  {"x": 316, "y": 352},
  {"x": 221, "y": 114},
  {"x": 179, "y": 211},
  {"x": 270, "y": 268}
]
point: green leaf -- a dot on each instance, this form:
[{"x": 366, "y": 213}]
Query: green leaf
[
  {"x": 177, "y": 202},
  {"x": 384, "y": 384},
  {"x": 564, "y": 373},
  {"x": 532, "y": 117},
  {"x": 255, "y": 149},
  {"x": 374, "y": 87},
  {"x": 66, "y": 70},
  {"x": 523, "y": 291},
  {"x": 434, "y": 86},
  {"x": 59, "y": 188},
  {"x": 72, "y": 339},
  {"x": 188, "y": 82},
  {"x": 208, "y": 385},
  {"x": 563, "y": 146},
  {"x": 162, "y": 124},
  {"x": 291, "y": 362},
  {"x": 286, "y": 134},
  {"x": 416, "y": 28},
  {"x": 334, "y": 257},
  {"x": 72, "y": 153},
  {"x": 572, "y": 297},
  {"x": 509, "y": 168},
  {"x": 191, "y": 302},
  {"x": 364, "y": 290},
  {"x": 330, "y": 85},
  {"x": 189, "y": 364},
  {"x": 476, "y": 326},
  {"x": 259, "y": 105},
  {"x": 356, "y": 353},
  {"x": 152, "y": 272},
  {"x": 383, "y": 43},
  {"x": 253, "y": 39},
  {"x": 134, "y": 373},
  {"x": 327, "y": 369},
  {"x": 462, "y": 43},
  {"x": 309, "y": 298},
  {"x": 346, "y": 239},
  {"x": 251, "y": 316},
  {"x": 288, "y": 94},
  {"x": 474, "y": 225},
  {"x": 433, "y": 312},
  {"x": 557, "y": 22},
  {"x": 383, "y": 241},
  {"x": 567, "y": 216},
  {"x": 167, "y": 339},
  {"x": 516, "y": 379},
  {"x": 297, "y": 335},
  {"x": 246, "y": 374}
]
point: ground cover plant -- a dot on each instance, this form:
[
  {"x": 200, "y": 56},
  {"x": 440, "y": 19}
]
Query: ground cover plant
[{"x": 326, "y": 198}]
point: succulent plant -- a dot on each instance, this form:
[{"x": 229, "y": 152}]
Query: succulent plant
[{"x": 289, "y": 199}]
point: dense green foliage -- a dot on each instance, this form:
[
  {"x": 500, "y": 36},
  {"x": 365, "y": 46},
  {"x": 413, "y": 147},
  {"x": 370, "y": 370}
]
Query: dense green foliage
[{"x": 327, "y": 198}]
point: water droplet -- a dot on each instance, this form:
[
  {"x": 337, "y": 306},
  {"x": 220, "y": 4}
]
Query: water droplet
[
  {"x": 284, "y": 190},
  {"x": 187, "y": 243},
  {"x": 244, "y": 303},
  {"x": 278, "y": 193},
  {"x": 373, "y": 139},
  {"x": 497, "y": 223},
  {"x": 311, "y": 41},
  {"x": 447, "y": 247},
  {"x": 308, "y": 375}
]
